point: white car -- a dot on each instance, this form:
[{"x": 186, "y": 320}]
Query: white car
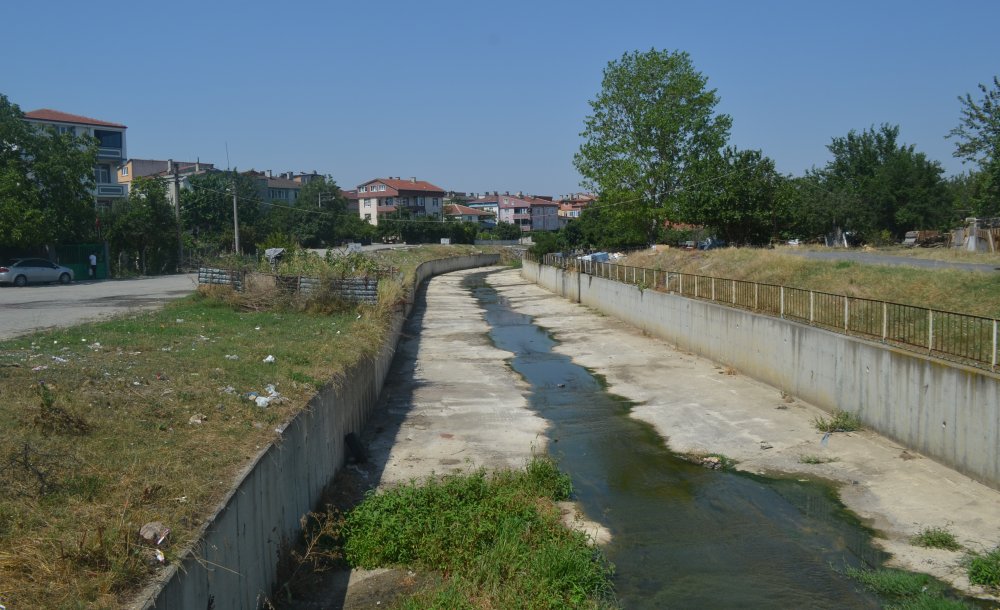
[{"x": 21, "y": 271}]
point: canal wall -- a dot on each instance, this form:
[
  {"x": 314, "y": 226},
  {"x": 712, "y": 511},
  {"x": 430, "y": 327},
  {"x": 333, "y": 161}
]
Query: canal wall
[
  {"x": 943, "y": 410},
  {"x": 235, "y": 563}
]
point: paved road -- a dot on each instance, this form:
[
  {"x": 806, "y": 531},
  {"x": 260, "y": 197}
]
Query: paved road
[
  {"x": 25, "y": 310},
  {"x": 889, "y": 259}
]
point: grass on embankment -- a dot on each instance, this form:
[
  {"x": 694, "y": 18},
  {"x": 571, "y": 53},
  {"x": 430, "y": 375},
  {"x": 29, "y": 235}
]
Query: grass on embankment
[
  {"x": 497, "y": 540},
  {"x": 970, "y": 292},
  {"x": 905, "y": 590},
  {"x": 100, "y": 433}
]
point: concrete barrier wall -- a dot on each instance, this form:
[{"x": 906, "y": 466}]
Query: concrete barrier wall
[
  {"x": 234, "y": 565},
  {"x": 943, "y": 410}
]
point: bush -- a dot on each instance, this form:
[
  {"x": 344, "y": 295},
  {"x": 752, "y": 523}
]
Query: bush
[{"x": 842, "y": 421}]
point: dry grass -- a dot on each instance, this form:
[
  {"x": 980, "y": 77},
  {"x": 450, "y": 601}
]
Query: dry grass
[
  {"x": 949, "y": 290},
  {"x": 98, "y": 433}
]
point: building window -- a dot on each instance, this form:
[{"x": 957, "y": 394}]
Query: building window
[
  {"x": 368, "y": 203},
  {"x": 368, "y": 217},
  {"x": 102, "y": 173},
  {"x": 388, "y": 200},
  {"x": 361, "y": 189},
  {"x": 66, "y": 130},
  {"x": 434, "y": 202},
  {"x": 124, "y": 170},
  {"x": 381, "y": 187},
  {"x": 109, "y": 139}
]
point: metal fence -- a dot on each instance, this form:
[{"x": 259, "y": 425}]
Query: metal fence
[{"x": 955, "y": 336}]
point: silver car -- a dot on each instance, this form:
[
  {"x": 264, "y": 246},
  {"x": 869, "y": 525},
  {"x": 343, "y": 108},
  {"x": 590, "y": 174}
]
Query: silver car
[{"x": 20, "y": 271}]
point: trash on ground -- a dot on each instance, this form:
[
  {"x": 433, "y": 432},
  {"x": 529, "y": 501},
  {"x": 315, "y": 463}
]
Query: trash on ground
[
  {"x": 232, "y": 357},
  {"x": 154, "y": 532},
  {"x": 272, "y": 397},
  {"x": 40, "y": 367},
  {"x": 58, "y": 359},
  {"x": 198, "y": 418},
  {"x": 269, "y": 359}
]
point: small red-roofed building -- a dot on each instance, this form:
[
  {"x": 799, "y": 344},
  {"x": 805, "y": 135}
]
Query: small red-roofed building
[{"x": 465, "y": 213}]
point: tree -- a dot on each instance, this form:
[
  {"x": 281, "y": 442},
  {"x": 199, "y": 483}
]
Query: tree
[
  {"x": 45, "y": 182},
  {"x": 653, "y": 139},
  {"x": 877, "y": 187},
  {"x": 207, "y": 210},
  {"x": 143, "y": 229},
  {"x": 745, "y": 205},
  {"x": 312, "y": 219},
  {"x": 978, "y": 141}
]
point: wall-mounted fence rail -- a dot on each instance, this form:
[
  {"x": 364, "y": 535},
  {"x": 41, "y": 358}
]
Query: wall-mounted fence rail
[
  {"x": 358, "y": 289},
  {"x": 955, "y": 336}
]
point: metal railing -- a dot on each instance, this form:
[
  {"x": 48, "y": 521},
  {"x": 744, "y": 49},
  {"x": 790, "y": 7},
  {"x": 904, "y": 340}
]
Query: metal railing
[{"x": 955, "y": 336}]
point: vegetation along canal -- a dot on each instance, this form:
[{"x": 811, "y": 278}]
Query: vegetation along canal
[{"x": 682, "y": 535}]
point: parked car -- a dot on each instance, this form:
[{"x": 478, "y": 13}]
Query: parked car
[
  {"x": 21, "y": 271},
  {"x": 689, "y": 244}
]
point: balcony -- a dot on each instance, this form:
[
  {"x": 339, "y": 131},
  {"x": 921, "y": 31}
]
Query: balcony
[
  {"x": 109, "y": 190},
  {"x": 109, "y": 153}
]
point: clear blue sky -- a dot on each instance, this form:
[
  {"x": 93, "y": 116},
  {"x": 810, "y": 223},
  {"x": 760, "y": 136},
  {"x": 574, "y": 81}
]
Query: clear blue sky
[{"x": 475, "y": 96}]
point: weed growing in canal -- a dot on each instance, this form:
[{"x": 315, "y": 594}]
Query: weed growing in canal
[
  {"x": 496, "y": 538},
  {"x": 936, "y": 538},
  {"x": 984, "y": 568},
  {"x": 842, "y": 421},
  {"x": 817, "y": 459},
  {"x": 905, "y": 590}
]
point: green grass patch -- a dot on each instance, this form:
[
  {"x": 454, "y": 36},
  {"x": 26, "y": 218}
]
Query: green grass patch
[
  {"x": 984, "y": 568},
  {"x": 936, "y": 538},
  {"x": 842, "y": 421},
  {"x": 816, "y": 459},
  {"x": 496, "y": 538},
  {"x": 905, "y": 590}
]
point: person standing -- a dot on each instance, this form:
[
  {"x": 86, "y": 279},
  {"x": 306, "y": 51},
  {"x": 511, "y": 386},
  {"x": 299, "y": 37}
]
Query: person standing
[{"x": 93, "y": 266}]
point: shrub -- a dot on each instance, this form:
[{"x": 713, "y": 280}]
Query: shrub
[
  {"x": 842, "y": 421},
  {"x": 936, "y": 538},
  {"x": 984, "y": 569}
]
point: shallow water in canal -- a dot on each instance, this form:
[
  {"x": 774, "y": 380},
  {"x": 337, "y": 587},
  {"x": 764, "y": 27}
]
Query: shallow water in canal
[{"x": 683, "y": 536}]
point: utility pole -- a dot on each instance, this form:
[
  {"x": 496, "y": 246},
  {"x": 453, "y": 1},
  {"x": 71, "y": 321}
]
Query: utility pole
[
  {"x": 236, "y": 218},
  {"x": 177, "y": 213}
]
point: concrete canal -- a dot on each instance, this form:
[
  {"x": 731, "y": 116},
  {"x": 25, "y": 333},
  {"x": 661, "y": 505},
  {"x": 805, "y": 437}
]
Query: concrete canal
[{"x": 682, "y": 535}]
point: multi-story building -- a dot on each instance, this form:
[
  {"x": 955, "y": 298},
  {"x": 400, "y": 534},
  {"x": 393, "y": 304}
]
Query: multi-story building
[
  {"x": 111, "y": 152},
  {"x": 381, "y": 196},
  {"x": 281, "y": 189},
  {"x": 528, "y": 212},
  {"x": 572, "y": 205}
]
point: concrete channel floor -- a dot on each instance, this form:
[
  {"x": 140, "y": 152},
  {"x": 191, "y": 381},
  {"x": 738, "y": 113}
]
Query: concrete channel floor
[{"x": 454, "y": 404}]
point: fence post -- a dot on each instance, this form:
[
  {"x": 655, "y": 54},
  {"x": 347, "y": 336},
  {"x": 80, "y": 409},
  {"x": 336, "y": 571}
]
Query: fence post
[
  {"x": 680, "y": 283},
  {"x": 654, "y": 279},
  {"x": 930, "y": 330},
  {"x": 696, "y": 286},
  {"x": 756, "y": 286},
  {"x": 781, "y": 291},
  {"x": 812, "y": 306},
  {"x": 847, "y": 315},
  {"x": 885, "y": 321},
  {"x": 994, "y": 363},
  {"x": 734, "y": 292},
  {"x": 713, "y": 288}
]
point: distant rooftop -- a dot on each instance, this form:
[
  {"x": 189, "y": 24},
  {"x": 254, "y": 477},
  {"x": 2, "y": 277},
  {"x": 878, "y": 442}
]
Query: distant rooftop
[{"x": 55, "y": 116}]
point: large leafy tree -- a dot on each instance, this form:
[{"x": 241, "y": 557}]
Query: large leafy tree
[
  {"x": 978, "y": 141},
  {"x": 746, "y": 203},
  {"x": 45, "y": 182},
  {"x": 312, "y": 219},
  {"x": 653, "y": 138},
  {"x": 876, "y": 186},
  {"x": 142, "y": 230},
  {"x": 207, "y": 210}
]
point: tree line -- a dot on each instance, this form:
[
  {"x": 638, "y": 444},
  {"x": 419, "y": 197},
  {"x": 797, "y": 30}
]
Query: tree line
[{"x": 657, "y": 153}]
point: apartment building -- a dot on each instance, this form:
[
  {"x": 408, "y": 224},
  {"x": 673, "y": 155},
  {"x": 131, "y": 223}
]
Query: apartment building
[
  {"x": 111, "y": 152},
  {"x": 466, "y": 213},
  {"x": 382, "y": 196}
]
